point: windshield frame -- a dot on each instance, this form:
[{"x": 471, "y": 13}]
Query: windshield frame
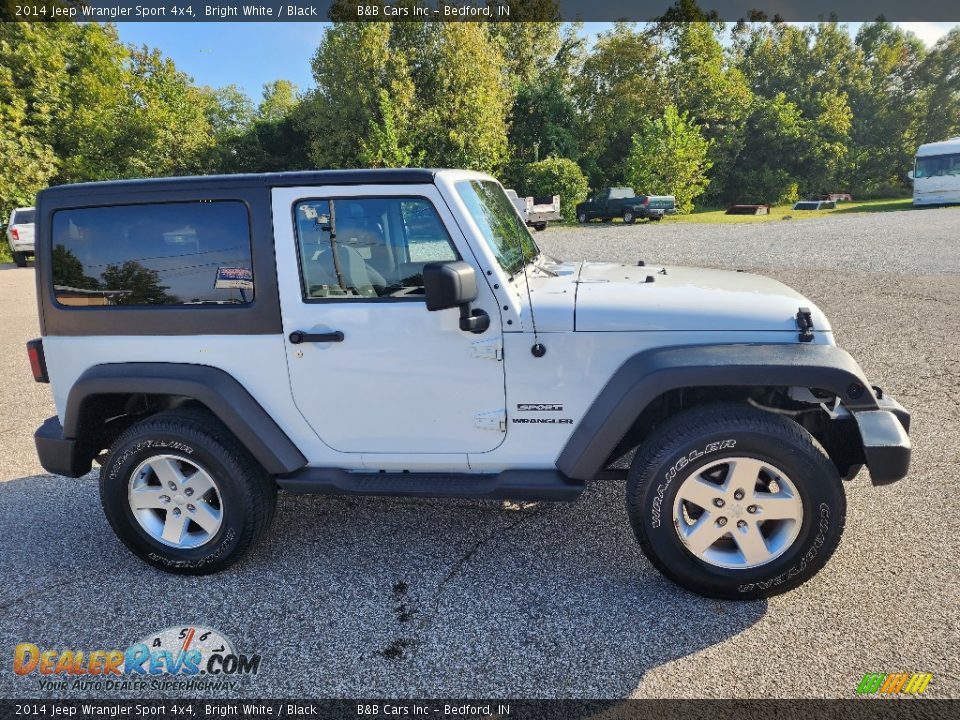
[{"x": 478, "y": 197}]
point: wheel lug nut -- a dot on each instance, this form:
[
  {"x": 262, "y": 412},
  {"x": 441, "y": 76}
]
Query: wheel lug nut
[
  {"x": 741, "y": 524},
  {"x": 751, "y": 508},
  {"x": 164, "y": 498},
  {"x": 721, "y": 521},
  {"x": 176, "y": 512},
  {"x": 718, "y": 502},
  {"x": 188, "y": 492},
  {"x": 191, "y": 508},
  {"x": 738, "y": 495},
  {"x": 173, "y": 485}
]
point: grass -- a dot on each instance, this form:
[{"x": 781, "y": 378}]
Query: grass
[{"x": 781, "y": 212}]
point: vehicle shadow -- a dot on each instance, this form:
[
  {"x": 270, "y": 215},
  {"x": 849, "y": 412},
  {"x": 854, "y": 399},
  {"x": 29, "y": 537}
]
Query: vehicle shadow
[
  {"x": 13, "y": 266},
  {"x": 371, "y": 597}
]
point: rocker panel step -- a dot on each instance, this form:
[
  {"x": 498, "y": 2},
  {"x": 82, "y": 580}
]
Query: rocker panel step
[{"x": 507, "y": 485}]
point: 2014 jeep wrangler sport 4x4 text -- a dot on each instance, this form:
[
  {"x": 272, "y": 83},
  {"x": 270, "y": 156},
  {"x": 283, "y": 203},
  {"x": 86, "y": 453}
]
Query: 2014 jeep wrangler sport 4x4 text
[{"x": 211, "y": 340}]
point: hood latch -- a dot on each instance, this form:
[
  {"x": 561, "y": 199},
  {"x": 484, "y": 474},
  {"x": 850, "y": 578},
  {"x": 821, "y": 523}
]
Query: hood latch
[{"x": 805, "y": 324}]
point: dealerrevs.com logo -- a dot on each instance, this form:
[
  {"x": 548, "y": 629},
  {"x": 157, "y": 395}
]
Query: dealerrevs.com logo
[{"x": 185, "y": 658}]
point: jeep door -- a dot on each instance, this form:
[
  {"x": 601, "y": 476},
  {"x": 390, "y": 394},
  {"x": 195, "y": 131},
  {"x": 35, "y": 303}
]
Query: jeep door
[{"x": 378, "y": 372}]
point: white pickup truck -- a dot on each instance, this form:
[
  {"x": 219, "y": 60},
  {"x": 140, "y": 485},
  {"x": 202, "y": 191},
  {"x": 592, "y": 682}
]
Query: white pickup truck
[
  {"x": 536, "y": 211},
  {"x": 20, "y": 234}
]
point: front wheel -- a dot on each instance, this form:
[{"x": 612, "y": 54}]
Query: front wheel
[
  {"x": 183, "y": 495},
  {"x": 582, "y": 217},
  {"x": 733, "y": 502}
]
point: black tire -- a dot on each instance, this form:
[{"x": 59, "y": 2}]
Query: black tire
[
  {"x": 20, "y": 258},
  {"x": 628, "y": 217},
  {"x": 582, "y": 217},
  {"x": 699, "y": 437},
  {"x": 540, "y": 227},
  {"x": 656, "y": 218},
  {"x": 248, "y": 493}
]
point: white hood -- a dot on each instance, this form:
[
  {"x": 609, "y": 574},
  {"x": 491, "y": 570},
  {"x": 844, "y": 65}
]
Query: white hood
[{"x": 610, "y": 297}]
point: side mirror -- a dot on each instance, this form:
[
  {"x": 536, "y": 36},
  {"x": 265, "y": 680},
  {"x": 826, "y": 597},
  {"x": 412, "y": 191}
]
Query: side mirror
[
  {"x": 910, "y": 174},
  {"x": 449, "y": 284},
  {"x": 454, "y": 284}
]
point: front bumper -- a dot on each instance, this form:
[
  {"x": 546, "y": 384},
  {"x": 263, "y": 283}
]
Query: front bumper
[
  {"x": 886, "y": 442},
  {"x": 59, "y": 455}
]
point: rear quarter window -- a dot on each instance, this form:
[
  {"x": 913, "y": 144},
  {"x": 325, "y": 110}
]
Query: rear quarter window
[
  {"x": 23, "y": 217},
  {"x": 190, "y": 253}
]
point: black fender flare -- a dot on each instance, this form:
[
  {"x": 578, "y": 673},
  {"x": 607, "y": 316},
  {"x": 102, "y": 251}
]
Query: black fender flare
[
  {"x": 216, "y": 389},
  {"x": 649, "y": 374}
]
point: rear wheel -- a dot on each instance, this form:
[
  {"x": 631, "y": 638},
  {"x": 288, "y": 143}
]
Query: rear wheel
[
  {"x": 733, "y": 502},
  {"x": 182, "y": 493},
  {"x": 540, "y": 226},
  {"x": 20, "y": 258},
  {"x": 628, "y": 217}
]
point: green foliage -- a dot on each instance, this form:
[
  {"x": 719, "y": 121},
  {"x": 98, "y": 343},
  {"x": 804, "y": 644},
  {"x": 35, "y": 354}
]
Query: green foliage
[
  {"x": 766, "y": 169},
  {"x": 462, "y": 97},
  {"x": 783, "y": 110},
  {"x": 385, "y": 146},
  {"x": 669, "y": 156},
  {"x": 941, "y": 94},
  {"x": 76, "y": 104},
  {"x": 556, "y": 176},
  {"x": 619, "y": 86},
  {"x": 703, "y": 83},
  {"x": 528, "y": 48},
  {"x": 352, "y": 66},
  {"x": 543, "y": 121}
]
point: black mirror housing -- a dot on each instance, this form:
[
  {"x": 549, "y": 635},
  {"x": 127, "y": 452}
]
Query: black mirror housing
[{"x": 449, "y": 284}]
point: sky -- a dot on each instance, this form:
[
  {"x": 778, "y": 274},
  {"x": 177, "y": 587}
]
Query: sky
[{"x": 250, "y": 55}]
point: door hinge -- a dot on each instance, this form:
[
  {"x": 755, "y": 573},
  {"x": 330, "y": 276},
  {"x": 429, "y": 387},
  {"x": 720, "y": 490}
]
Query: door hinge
[
  {"x": 493, "y": 420},
  {"x": 491, "y": 349}
]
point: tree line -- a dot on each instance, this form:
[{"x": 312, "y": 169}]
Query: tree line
[{"x": 760, "y": 112}]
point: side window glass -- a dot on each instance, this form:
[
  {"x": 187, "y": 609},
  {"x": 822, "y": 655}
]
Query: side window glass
[
  {"x": 368, "y": 248},
  {"x": 189, "y": 253}
]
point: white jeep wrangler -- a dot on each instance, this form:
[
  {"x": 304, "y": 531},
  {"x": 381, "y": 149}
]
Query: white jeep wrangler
[{"x": 211, "y": 340}]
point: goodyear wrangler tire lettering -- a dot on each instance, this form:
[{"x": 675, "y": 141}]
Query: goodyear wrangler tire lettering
[
  {"x": 682, "y": 463},
  {"x": 786, "y": 463},
  {"x": 804, "y": 562}
]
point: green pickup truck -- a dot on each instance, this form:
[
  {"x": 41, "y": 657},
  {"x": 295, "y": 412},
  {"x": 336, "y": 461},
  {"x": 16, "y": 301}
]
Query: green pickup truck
[{"x": 622, "y": 202}]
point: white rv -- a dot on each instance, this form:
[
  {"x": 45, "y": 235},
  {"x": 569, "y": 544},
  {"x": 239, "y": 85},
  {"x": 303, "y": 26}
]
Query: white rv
[{"x": 936, "y": 173}]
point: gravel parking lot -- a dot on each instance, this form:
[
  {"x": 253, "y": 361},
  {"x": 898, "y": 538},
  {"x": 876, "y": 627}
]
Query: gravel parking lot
[{"x": 382, "y": 597}]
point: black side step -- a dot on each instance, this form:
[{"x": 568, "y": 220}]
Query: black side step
[{"x": 507, "y": 485}]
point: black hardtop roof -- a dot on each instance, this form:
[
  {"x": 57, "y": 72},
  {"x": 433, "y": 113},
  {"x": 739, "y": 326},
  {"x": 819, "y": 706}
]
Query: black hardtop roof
[{"x": 384, "y": 176}]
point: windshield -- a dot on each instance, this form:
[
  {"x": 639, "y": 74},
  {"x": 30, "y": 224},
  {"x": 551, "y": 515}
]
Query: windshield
[
  {"x": 499, "y": 223},
  {"x": 937, "y": 166}
]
